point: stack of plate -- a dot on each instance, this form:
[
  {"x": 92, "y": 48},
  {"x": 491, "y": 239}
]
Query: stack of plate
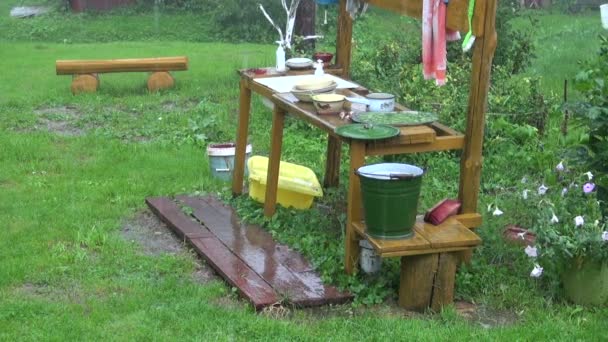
[
  {"x": 299, "y": 63},
  {"x": 310, "y": 86}
]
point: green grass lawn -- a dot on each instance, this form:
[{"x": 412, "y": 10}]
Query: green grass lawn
[
  {"x": 75, "y": 168},
  {"x": 561, "y": 42}
]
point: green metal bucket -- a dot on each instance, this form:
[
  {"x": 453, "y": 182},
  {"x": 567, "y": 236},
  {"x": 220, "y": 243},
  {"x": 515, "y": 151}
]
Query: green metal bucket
[{"x": 390, "y": 193}]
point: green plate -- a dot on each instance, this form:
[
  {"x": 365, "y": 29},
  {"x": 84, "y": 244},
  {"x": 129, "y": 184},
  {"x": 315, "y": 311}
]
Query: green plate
[
  {"x": 406, "y": 118},
  {"x": 367, "y": 132}
]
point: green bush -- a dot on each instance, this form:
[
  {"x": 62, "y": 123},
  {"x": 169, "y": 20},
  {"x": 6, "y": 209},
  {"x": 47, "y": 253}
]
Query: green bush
[{"x": 592, "y": 114}]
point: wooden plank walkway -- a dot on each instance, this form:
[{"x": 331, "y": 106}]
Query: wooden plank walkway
[{"x": 263, "y": 271}]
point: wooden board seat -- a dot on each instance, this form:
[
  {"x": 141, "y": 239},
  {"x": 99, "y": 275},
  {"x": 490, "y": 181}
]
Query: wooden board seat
[
  {"x": 449, "y": 236},
  {"x": 85, "y": 72}
]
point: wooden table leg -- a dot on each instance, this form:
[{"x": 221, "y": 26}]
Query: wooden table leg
[
  {"x": 332, "y": 162},
  {"x": 357, "y": 159},
  {"x": 272, "y": 180},
  {"x": 241, "y": 138}
]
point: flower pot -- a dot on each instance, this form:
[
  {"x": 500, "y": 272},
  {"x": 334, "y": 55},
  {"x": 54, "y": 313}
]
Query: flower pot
[{"x": 587, "y": 283}]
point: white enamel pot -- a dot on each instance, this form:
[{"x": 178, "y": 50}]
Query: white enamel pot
[{"x": 376, "y": 102}]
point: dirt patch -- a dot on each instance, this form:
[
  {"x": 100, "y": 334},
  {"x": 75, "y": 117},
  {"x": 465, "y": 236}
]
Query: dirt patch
[
  {"x": 485, "y": 316},
  {"x": 59, "y": 120},
  {"x": 181, "y": 106},
  {"x": 155, "y": 238},
  {"x": 152, "y": 235},
  {"x": 45, "y": 292}
]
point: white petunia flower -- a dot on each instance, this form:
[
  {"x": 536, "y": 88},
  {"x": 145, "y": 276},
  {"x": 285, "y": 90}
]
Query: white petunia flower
[
  {"x": 537, "y": 271},
  {"x": 532, "y": 252},
  {"x": 589, "y": 175},
  {"x": 522, "y": 235},
  {"x": 489, "y": 207},
  {"x": 554, "y": 219},
  {"x": 579, "y": 221},
  {"x": 542, "y": 189},
  {"x": 564, "y": 191},
  {"x": 560, "y": 166},
  {"x": 605, "y": 236},
  {"x": 524, "y": 194},
  {"x": 497, "y": 212}
]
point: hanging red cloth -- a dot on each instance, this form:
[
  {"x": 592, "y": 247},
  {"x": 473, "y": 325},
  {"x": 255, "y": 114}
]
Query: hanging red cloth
[{"x": 434, "y": 35}]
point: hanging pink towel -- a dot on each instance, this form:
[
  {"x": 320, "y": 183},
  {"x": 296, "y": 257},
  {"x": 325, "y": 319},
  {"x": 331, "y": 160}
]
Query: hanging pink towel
[{"x": 434, "y": 36}]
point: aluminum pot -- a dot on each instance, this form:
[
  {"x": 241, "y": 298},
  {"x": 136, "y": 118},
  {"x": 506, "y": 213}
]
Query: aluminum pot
[{"x": 376, "y": 102}]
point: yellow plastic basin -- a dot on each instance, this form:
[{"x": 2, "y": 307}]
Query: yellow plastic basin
[{"x": 298, "y": 185}]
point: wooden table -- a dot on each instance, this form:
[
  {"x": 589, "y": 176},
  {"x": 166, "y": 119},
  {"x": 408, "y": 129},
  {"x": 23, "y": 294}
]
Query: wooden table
[{"x": 429, "y": 244}]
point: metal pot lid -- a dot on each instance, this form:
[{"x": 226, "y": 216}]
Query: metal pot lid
[
  {"x": 405, "y": 118},
  {"x": 367, "y": 132}
]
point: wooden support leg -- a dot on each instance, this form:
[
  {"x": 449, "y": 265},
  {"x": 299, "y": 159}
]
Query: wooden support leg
[
  {"x": 332, "y": 163},
  {"x": 160, "y": 80},
  {"x": 272, "y": 180},
  {"x": 443, "y": 287},
  {"x": 85, "y": 83},
  {"x": 354, "y": 212},
  {"x": 241, "y": 138},
  {"x": 416, "y": 283}
]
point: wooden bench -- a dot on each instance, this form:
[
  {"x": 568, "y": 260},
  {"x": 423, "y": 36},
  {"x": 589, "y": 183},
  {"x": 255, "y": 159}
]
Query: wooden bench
[
  {"x": 428, "y": 260},
  {"x": 86, "y": 79}
]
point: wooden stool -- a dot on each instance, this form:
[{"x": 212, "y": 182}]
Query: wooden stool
[{"x": 428, "y": 261}]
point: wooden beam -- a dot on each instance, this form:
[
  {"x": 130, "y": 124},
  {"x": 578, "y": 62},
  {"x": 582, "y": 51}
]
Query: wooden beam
[
  {"x": 355, "y": 206},
  {"x": 344, "y": 40},
  {"x": 74, "y": 67},
  {"x": 241, "y": 137},
  {"x": 274, "y": 160},
  {"x": 457, "y": 14},
  {"x": 471, "y": 160}
]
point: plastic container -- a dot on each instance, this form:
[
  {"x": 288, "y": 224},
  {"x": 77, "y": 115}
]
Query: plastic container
[
  {"x": 370, "y": 261},
  {"x": 298, "y": 185},
  {"x": 221, "y": 159},
  {"x": 604, "y": 15},
  {"x": 390, "y": 193}
]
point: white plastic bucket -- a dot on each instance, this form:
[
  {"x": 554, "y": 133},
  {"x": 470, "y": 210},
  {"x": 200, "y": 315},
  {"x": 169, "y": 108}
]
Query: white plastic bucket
[
  {"x": 370, "y": 261},
  {"x": 604, "y": 14},
  {"x": 221, "y": 159}
]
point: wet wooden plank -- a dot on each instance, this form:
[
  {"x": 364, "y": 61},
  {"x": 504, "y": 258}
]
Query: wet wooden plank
[
  {"x": 248, "y": 283},
  {"x": 450, "y": 233},
  {"x": 171, "y": 214},
  {"x": 285, "y": 270}
]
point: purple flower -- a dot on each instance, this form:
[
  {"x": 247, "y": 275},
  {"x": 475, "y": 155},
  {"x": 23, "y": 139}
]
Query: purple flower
[
  {"x": 530, "y": 251},
  {"x": 542, "y": 189},
  {"x": 588, "y": 188},
  {"x": 560, "y": 167}
]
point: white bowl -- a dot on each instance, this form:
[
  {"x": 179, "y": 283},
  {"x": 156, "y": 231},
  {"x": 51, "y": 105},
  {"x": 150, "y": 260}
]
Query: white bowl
[{"x": 327, "y": 104}]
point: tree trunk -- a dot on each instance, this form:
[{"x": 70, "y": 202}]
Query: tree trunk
[{"x": 305, "y": 23}]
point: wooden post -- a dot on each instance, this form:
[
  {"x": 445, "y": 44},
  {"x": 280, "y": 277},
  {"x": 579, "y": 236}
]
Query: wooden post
[
  {"x": 344, "y": 40},
  {"x": 443, "y": 284},
  {"x": 416, "y": 281},
  {"x": 241, "y": 137},
  {"x": 332, "y": 162},
  {"x": 470, "y": 164},
  {"x": 160, "y": 80},
  {"x": 84, "y": 83},
  {"x": 272, "y": 180},
  {"x": 354, "y": 214}
]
